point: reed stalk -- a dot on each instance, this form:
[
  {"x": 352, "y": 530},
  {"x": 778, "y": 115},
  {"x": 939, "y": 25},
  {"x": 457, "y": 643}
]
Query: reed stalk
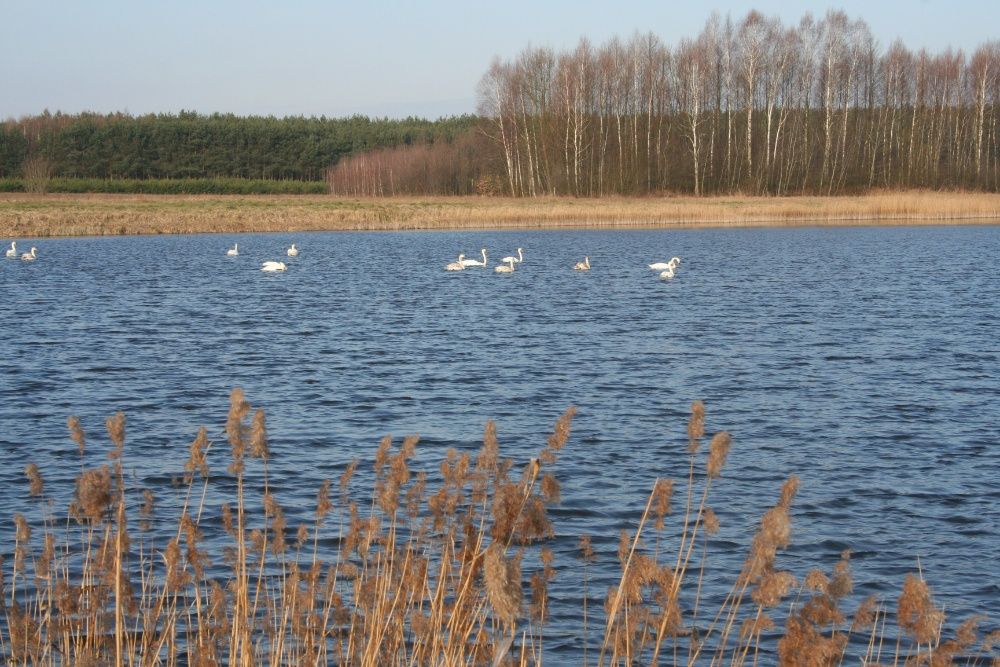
[
  {"x": 420, "y": 575},
  {"x": 34, "y": 216}
]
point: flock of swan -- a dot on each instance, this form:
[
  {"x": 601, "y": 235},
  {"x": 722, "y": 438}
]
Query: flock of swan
[
  {"x": 25, "y": 257},
  {"x": 510, "y": 262},
  {"x": 270, "y": 266},
  {"x": 232, "y": 252},
  {"x": 506, "y": 266}
]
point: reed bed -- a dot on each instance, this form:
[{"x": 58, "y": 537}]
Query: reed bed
[
  {"x": 27, "y": 215},
  {"x": 449, "y": 568}
]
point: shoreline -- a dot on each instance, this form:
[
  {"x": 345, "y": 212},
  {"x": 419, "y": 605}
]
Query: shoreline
[{"x": 68, "y": 215}]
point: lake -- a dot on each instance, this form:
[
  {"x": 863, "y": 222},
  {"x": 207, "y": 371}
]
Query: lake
[{"x": 865, "y": 360}]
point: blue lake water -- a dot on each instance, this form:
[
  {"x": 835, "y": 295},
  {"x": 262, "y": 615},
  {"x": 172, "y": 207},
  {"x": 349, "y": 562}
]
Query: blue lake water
[{"x": 864, "y": 360}]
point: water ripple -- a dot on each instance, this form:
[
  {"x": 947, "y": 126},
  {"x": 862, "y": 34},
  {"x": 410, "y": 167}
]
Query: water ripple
[{"x": 840, "y": 355}]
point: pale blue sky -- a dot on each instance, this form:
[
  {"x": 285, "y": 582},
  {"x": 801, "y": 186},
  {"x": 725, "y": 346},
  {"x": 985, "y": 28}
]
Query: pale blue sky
[{"x": 336, "y": 58}]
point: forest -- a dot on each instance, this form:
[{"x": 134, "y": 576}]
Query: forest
[
  {"x": 747, "y": 106},
  {"x": 190, "y": 145}
]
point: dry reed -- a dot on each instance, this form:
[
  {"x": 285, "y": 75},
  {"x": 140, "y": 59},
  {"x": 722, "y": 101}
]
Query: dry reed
[
  {"x": 463, "y": 574},
  {"x": 27, "y": 215}
]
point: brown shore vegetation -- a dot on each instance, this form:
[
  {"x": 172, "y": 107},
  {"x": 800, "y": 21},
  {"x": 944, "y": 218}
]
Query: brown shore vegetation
[
  {"x": 450, "y": 568},
  {"x": 31, "y": 215}
]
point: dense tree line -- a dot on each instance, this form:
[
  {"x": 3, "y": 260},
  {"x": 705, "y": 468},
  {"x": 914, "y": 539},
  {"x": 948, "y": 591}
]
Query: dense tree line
[
  {"x": 164, "y": 186},
  {"x": 747, "y": 106},
  {"x": 190, "y": 145},
  {"x": 458, "y": 167}
]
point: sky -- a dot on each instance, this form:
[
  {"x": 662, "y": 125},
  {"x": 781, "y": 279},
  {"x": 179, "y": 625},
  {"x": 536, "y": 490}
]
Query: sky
[{"x": 339, "y": 58}]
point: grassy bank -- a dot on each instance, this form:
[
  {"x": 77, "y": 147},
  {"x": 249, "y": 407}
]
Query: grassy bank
[
  {"x": 455, "y": 567},
  {"x": 24, "y": 215}
]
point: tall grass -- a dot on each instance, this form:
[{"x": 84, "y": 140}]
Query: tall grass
[
  {"x": 406, "y": 573},
  {"x": 26, "y": 215}
]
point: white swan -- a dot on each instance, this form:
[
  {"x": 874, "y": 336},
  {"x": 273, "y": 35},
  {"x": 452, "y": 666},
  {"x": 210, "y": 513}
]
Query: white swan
[
  {"x": 516, "y": 260},
  {"x": 475, "y": 262},
  {"x": 672, "y": 264},
  {"x": 456, "y": 265},
  {"x": 234, "y": 251},
  {"x": 668, "y": 274},
  {"x": 12, "y": 251},
  {"x": 273, "y": 266},
  {"x": 582, "y": 266},
  {"x": 508, "y": 268},
  {"x": 293, "y": 251},
  {"x": 29, "y": 256}
]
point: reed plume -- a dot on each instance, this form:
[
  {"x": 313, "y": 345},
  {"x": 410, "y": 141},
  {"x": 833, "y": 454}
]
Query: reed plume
[
  {"x": 76, "y": 433},
  {"x": 503, "y": 585},
  {"x": 36, "y": 485},
  {"x": 917, "y": 615},
  {"x": 94, "y": 493},
  {"x": 116, "y": 431},
  {"x": 198, "y": 461},
  {"x": 323, "y": 504},
  {"x": 718, "y": 450},
  {"x": 466, "y": 573},
  {"x": 258, "y": 436},
  {"x": 696, "y": 426}
]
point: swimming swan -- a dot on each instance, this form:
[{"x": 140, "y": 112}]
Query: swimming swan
[
  {"x": 29, "y": 256},
  {"x": 457, "y": 265},
  {"x": 509, "y": 268},
  {"x": 516, "y": 260},
  {"x": 293, "y": 251},
  {"x": 273, "y": 266},
  {"x": 659, "y": 266},
  {"x": 12, "y": 251},
  {"x": 234, "y": 251},
  {"x": 668, "y": 274},
  {"x": 582, "y": 266},
  {"x": 475, "y": 262}
]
